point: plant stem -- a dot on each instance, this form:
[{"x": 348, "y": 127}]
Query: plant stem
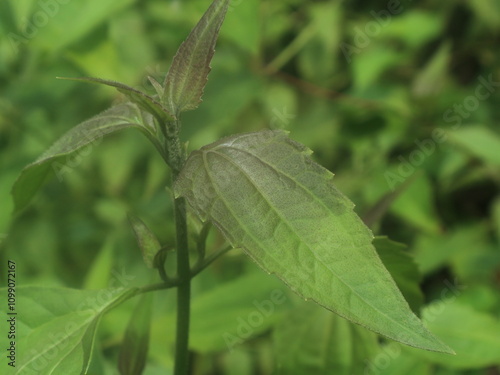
[
  {"x": 183, "y": 290},
  {"x": 174, "y": 148}
]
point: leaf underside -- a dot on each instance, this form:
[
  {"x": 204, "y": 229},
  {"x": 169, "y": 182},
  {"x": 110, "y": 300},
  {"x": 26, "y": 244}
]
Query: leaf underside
[
  {"x": 88, "y": 133},
  {"x": 267, "y": 196}
]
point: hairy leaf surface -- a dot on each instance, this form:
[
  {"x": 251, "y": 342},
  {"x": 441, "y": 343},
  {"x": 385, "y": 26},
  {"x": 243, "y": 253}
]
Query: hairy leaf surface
[
  {"x": 189, "y": 71},
  {"x": 58, "y": 158},
  {"x": 267, "y": 196}
]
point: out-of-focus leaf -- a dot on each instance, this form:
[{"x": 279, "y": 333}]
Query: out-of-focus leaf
[
  {"x": 413, "y": 28},
  {"x": 403, "y": 270},
  {"x": 59, "y": 159},
  {"x": 430, "y": 81},
  {"x": 99, "y": 274},
  {"x": 56, "y": 328},
  {"x": 243, "y": 24},
  {"x": 146, "y": 239},
  {"x": 479, "y": 141},
  {"x": 416, "y": 206},
  {"x": 189, "y": 71},
  {"x": 433, "y": 252},
  {"x": 318, "y": 58},
  {"x": 135, "y": 345},
  {"x": 238, "y": 362},
  {"x": 380, "y": 208},
  {"x": 372, "y": 62},
  {"x": 496, "y": 217},
  {"x": 229, "y": 314},
  {"x": 69, "y": 21},
  {"x": 268, "y": 197},
  {"x": 391, "y": 360},
  {"x": 488, "y": 11},
  {"x": 312, "y": 340},
  {"x": 473, "y": 335}
]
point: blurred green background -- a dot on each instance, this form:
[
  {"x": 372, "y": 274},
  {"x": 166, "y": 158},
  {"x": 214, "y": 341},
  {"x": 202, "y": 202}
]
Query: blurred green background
[{"x": 394, "y": 97}]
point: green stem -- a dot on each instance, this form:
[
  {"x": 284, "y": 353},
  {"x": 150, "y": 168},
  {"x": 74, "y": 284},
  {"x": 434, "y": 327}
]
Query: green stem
[
  {"x": 183, "y": 290},
  {"x": 173, "y": 283},
  {"x": 174, "y": 149}
]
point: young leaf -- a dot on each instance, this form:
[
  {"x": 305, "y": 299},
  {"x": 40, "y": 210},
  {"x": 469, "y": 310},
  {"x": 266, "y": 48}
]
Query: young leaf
[
  {"x": 189, "y": 71},
  {"x": 56, "y": 328},
  {"x": 146, "y": 239},
  {"x": 146, "y": 102},
  {"x": 268, "y": 197},
  {"x": 59, "y": 158},
  {"x": 134, "y": 349}
]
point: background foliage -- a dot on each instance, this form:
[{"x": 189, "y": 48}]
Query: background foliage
[{"x": 391, "y": 95}]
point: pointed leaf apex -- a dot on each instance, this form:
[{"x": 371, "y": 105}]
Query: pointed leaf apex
[{"x": 188, "y": 75}]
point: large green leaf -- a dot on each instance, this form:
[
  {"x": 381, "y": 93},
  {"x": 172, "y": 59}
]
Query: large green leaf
[
  {"x": 312, "y": 340},
  {"x": 268, "y": 197},
  {"x": 189, "y": 71},
  {"x": 56, "y": 328},
  {"x": 59, "y": 159}
]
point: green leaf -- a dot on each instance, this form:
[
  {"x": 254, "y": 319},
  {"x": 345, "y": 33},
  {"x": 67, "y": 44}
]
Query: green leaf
[
  {"x": 268, "y": 197},
  {"x": 68, "y": 22},
  {"x": 312, "y": 340},
  {"x": 134, "y": 349},
  {"x": 403, "y": 270},
  {"x": 393, "y": 361},
  {"x": 56, "y": 328},
  {"x": 146, "y": 239},
  {"x": 431, "y": 79},
  {"x": 98, "y": 276},
  {"x": 416, "y": 205},
  {"x": 479, "y": 141},
  {"x": 473, "y": 334},
  {"x": 146, "y": 102},
  {"x": 59, "y": 159},
  {"x": 189, "y": 71},
  {"x": 227, "y": 315}
]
